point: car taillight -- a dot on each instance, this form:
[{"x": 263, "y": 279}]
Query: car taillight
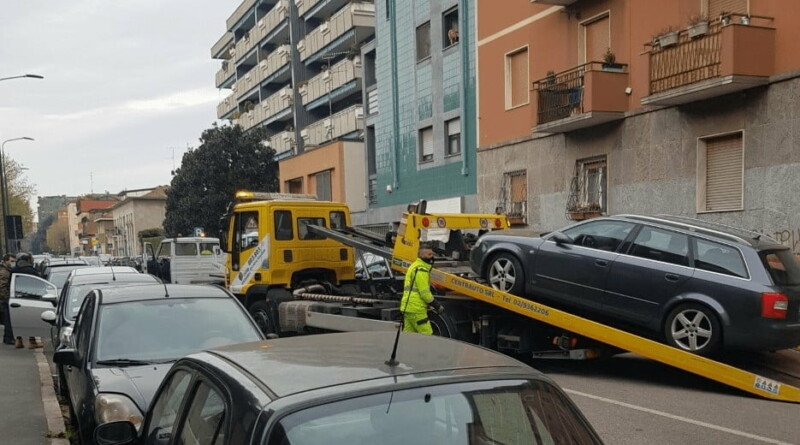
[{"x": 774, "y": 305}]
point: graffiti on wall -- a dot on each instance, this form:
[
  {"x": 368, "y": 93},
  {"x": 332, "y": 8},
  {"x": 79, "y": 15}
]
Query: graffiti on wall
[{"x": 787, "y": 237}]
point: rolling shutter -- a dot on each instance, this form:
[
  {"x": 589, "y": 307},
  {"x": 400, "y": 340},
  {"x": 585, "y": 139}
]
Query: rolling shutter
[
  {"x": 716, "y": 7},
  {"x": 518, "y": 73},
  {"x": 724, "y": 171},
  {"x": 426, "y": 139},
  {"x": 598, "y": 39}
]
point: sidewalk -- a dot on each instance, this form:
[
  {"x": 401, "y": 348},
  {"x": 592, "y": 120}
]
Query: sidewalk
[{"x": 27, "y": 399}]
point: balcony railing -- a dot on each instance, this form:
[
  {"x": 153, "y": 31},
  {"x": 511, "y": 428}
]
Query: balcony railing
[
  {"x": 587, "y": 95},
  {"x": 226, "y": 106},
  {"x": 267, "y": 109},
  {"x": 222, "y": 44},
  {"x": 243, "y": 8},
  {"x": 282, "y": 143},
  {"x": 340, "y": 74},
  {"x": 303, "y": 6},
  {"x": 349, "y": 120},
  {"x": 276, "y": 60},
  {"x": 725, "y": 59},
  {"x": 352, "y": 16},
  {"x": 225, "y": 72},
  {"x": 263, "y": 28}
]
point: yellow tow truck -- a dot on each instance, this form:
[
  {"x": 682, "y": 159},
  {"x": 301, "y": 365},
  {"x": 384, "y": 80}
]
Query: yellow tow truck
[{"x": 292, "y": 263}]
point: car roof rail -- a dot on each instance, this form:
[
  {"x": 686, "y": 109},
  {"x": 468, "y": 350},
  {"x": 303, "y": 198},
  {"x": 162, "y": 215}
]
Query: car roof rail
[
  {"x": 755, "y": 235},
  {"x": 692, "y": 226}
]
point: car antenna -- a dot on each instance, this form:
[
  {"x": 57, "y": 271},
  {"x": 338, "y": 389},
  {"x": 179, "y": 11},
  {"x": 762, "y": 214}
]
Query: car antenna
[
  {"x": 113, "y": 277},
  {"x": 166, "y": 291},
  {"x": 392, "y": 362}
]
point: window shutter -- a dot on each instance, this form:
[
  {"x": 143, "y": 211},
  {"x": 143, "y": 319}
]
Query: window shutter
[
  {"x": 453, "y": 127},
  {"x": 427, "y": 143},
  {"x": 519, "y": 188},
  {"x": 724, "y": 168},
  {"x": 598, "y": 35},
  {"x": 518, "y": 67},
  {"x": 716, "y": 7}
]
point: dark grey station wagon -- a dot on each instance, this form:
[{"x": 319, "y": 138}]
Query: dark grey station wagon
[{"x": 704, "y": 286}]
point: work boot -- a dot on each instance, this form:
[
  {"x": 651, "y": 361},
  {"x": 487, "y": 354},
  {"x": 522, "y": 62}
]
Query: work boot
[{"x": 19, "y": 344}]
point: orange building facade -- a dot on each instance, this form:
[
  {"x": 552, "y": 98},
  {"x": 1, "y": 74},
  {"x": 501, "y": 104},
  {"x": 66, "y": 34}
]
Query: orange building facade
[{"x": 639, "y": 106}]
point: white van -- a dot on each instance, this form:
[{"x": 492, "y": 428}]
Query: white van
[{"x": 189, "y": 260}]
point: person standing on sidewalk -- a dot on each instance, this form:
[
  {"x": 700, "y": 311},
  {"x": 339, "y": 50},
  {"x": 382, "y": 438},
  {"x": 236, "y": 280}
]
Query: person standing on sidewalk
[
  {"x": 9, "y": 261},
  {"x": 25, "y": 265}
]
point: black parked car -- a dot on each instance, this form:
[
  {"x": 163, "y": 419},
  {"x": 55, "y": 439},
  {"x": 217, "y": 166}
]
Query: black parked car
[
  {"x": 703, "y": 286},
  {"x": 126, "y": 339},
  {"x": 337, "y": 389}
]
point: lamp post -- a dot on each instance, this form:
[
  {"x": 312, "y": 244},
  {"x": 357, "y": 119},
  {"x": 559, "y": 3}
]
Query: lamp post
[
  {"x": 29, "y": 76},
  {"x": 4, "y": 187}
]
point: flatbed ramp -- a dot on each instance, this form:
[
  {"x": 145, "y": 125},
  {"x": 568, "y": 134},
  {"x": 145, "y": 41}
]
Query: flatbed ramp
[{"x": 408, "y": 241}]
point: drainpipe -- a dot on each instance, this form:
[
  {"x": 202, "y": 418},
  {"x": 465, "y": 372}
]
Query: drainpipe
[
  {"x": 466, "y": 123},
  {"x": 395, "y": 94}
]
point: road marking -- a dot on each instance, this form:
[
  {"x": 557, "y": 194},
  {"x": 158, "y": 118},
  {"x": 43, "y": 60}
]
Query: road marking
[{"x": 679, "y": 418}]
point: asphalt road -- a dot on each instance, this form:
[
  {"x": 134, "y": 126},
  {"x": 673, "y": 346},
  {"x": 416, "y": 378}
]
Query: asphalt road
[{"x": 631, "y": 400}]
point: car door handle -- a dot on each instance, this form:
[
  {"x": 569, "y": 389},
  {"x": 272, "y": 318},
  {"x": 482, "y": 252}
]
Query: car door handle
[
  {"x": 601, "y": 263},
  {"x": 15, "y": 305},
  {"x": 671, "y": 277}
]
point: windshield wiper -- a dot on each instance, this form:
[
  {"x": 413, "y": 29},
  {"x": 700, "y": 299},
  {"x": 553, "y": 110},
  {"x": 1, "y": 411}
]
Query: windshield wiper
[{"x": 123, "y": 362}]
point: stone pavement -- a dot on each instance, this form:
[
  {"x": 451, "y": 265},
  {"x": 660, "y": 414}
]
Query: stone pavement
[{"x": 29, "y": 410}]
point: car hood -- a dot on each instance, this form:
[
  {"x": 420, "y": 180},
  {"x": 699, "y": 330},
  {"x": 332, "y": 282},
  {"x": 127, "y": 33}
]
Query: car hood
[{"x": 137, "y": 382}]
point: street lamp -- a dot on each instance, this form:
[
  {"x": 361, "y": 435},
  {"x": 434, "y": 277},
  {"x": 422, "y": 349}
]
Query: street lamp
[
  {"x": 29, "y": 76},
  {"x": 4, "y": 185}
]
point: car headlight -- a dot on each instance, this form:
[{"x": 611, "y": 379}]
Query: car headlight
[
  {"x": 116, "y": 407},
  {"x": 65, "y": 336}
]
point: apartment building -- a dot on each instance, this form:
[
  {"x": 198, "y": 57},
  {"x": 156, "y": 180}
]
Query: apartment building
[
  {"x": 294, "y": 70},
  {"x": 685, "y": 107},
  {"x": 420, "y": 108},
  {"x": 137, "y": 210}
]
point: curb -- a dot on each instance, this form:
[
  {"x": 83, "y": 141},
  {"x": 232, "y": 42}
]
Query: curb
[{"x": 52, "y": 410}]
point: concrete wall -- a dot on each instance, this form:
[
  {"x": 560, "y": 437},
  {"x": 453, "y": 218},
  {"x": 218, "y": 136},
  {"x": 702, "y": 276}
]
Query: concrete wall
[{"x": 652, "y": 162}]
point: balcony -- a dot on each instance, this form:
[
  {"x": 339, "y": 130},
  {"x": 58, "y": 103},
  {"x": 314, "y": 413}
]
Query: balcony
[
  {"x": 342, "y": 79},
  {"x": 308, "y": 9},
  {"x": 225, "y": 74},
  {"x": 219, "y": 50},
  {"x": 344, "y": 123},
  {"x": 239, "y": 13},
  {"x": 282, "y": 143},
  {"x": 585, "y": 96},
  {"x": 265, "y": 28},
  {"x": 727, "y": 59},
  {"x": 267, "y": 111},
  {"x": 227, "y": 106},
  {"x": 274, "y": 68},
  {"x": 354, "y": 22}
]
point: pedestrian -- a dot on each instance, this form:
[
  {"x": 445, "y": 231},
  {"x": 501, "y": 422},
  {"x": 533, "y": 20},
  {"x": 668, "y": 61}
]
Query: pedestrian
[
  {"x": 417, "y": 294},
  {"x": 9, "y": 261},
  {"x": 25, "y": 265}
]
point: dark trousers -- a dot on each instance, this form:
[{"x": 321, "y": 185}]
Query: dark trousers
[{"x": 5, "y": 320}]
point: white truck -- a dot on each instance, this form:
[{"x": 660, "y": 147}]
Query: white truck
[{"x": 187, "y": 260}]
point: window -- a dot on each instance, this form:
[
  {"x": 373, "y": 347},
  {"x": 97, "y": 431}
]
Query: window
[
  {"x": 246, "y": 235},
  {"x": 450, "y": 28},
  {"x": 164, "y": 250},
  {"x": 719, "y": 258},
  {"x": 603, "y": 235},
  {"x": 185, "y": 249},
  {"x": 165, "y": 409},
  {"x": 205, "y": 423},
  {"x": 83, "y": 327},
  {"x": 782, "y": 267},
  {"x": 517, "y": 79},
  {"x": 423, "y": 41},
  {"x": 453, "y": 128},
  {"x": 426, "y": 144},
  {"x": 302, "y": 228},
  {"x": 208, "y": 248},
  {"x": 516, "y": 207},
  {"x": 661, "y": 245},
  {"x": 338, "y": 220},
  {"x": 283, "y": 225},
  {"x": 294, "y": 185},
  {"x": 596, "y": 38},
  {"x": 716, "y": 7},
  {"x": 720, "y": 173},
  {"x": 323, "y": 183},
  {"x": 590, "y": 185}
]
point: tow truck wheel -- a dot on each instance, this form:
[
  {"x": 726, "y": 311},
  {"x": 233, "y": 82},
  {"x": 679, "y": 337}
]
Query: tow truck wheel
[
  {"x": 693, "y": 328},
  {"x": 263, "y": 318}
]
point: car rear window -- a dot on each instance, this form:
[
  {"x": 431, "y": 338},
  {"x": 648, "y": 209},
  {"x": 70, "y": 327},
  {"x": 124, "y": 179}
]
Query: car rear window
[
  {"x": 719, "y": 258},
  {"x": 782, "y": 266},
  {"x": 491, "y": 412}
]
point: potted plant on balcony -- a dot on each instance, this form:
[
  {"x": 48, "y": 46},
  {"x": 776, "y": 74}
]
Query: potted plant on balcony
[
  {"x": 698, "y": 26},
  {"x": 667, "y": 37},
  {"x": 725, "y": 18},
  {"x": 248, "y": 106},
  {"x": 610, "y": 62},
  {"x": 585, "y": 211}
]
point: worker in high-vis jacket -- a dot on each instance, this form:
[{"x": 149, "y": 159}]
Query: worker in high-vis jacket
[{"x": 417, "y": 294}]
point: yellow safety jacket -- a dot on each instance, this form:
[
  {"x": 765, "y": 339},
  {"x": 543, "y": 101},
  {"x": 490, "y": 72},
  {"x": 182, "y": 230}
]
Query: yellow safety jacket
[{"x": 417, "y": 288}]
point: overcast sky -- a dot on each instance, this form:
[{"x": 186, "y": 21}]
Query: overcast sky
[{"x": 124, "y": 81}]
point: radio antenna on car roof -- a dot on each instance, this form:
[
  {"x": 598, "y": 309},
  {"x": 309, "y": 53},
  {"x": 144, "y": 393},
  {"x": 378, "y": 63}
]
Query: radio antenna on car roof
[
  {"x": 113, "y": 277},
  {"x": 392, "y": 362}
]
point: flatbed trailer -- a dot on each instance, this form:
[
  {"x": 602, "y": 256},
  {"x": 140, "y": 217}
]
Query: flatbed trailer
[{"x": 404, "y": 253}]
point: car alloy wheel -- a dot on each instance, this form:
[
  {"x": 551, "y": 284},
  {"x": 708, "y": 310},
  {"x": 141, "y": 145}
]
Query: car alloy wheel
[
  {"x": 505, "y": 274},
  {"x": 693, "y": 328}
]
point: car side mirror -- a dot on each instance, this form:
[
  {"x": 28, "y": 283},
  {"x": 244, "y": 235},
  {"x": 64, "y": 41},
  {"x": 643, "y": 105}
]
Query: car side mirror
[
  {"x": 49, "y": 317},
  {"x": 52, "y": 298},
  {"x": 66, "y": 357},
  {"x": 561, "y": 238},
  {"x": 115, "y": 433}
]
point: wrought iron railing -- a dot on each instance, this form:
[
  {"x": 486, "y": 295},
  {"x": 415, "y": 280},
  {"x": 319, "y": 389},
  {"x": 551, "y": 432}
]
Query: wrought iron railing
[
  {"x": 560, "y": 95},
  {"x": 689, "y": 61}
]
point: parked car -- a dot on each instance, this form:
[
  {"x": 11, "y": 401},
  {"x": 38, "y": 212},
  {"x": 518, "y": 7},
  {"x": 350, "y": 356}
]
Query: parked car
[
  {"x": 702, "y": 286},
  {"x": 47, "y": 266},
  {"x": 338, "y": 389},
  {"x": 126, "y": 339},
  {"x": 30, "y": 295}
]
